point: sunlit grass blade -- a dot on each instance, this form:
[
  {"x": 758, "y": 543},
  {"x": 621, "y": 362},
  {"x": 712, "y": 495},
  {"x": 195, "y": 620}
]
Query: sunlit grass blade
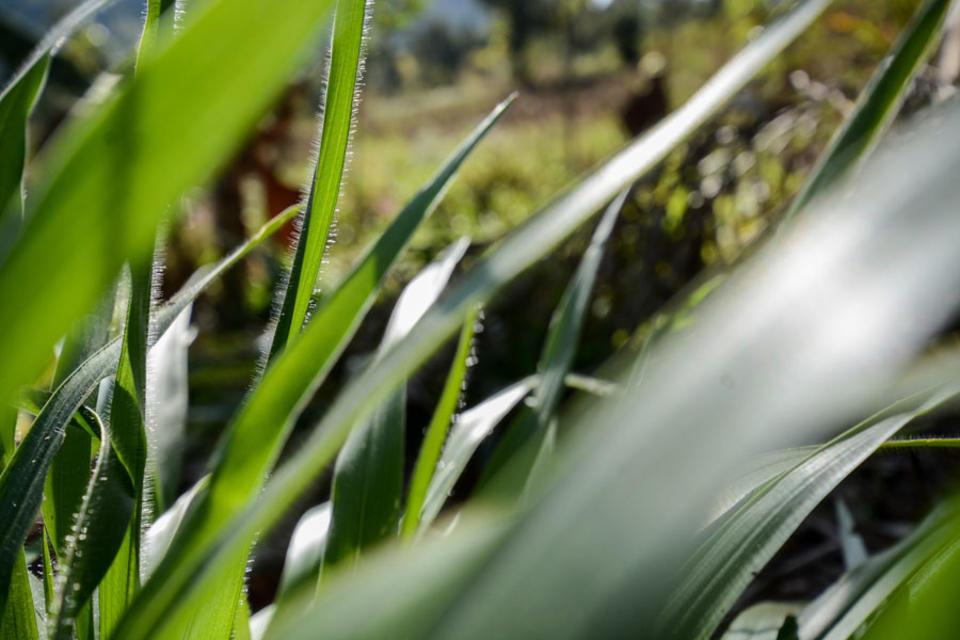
[
  {"x": 525, "y": 441},
  {"x": 746, "y": 539},
  {"x": 340, "y": 103},
  {"x": 436, "y": 433},
  {"x": 877, "y": 105},
  {"x": 111, "y": 173},
  {"x": 199, "y": 570},
  {"x": 469, "y": 431},
  {"x": 21, "y": 484},
  {"x": 367, "y": 490},
  {"x": 249, "y": 451},
  {"x": 305, "y": 552},
  {"x": 764, "y": 621}
]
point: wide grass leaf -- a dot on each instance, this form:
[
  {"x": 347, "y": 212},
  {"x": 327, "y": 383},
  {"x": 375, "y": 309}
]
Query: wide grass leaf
[
  {"x": 198, "y": 571},
  {"x": 367, "y": 490},
  {"x": 746, "y": 539},
  {"x": 249, "y": 450},
  {"x": 108, "y": 178}
]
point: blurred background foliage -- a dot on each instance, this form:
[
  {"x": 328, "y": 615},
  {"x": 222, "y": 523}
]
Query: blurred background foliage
[{"x": 591, "y": 75}]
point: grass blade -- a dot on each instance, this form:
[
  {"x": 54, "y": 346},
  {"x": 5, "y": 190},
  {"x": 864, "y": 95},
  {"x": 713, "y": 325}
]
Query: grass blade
[
  {"x": 525, "y": 441},
  {"x": 470, "y": 429},
  {"x": 199, "y": 570},
  {"x": 306, "y": 549},
  {"x": 21, "y": 483},
  {"x": 368, "y": 476},
  {"x": 436, "y": 434},
  {"x": 250, "y": 450},
  {"x": 746, "y": 540},
  {"x": 340, "y": 103},
  {"x": 18, "y": 620},
  {"x": 877, "y": 105},
  {"x": 112, "y": 195}
]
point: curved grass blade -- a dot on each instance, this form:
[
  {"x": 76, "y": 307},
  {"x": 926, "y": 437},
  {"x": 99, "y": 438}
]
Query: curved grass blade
[
  {"x": 340, "y": 102},
  {"x": 110, "y": 175},
  {"x": 199, "y": 568},
  {"x": 470, "y": 429},
  {"x": 877, "y": 105},
  {"x": 367, "y": 489},
  {"x": 746, "y": 540},
  {"x": 436, "y": 434},
  {"x": 21, "y": 483},
  {"x": 100, "y": 527},
  {"x": 846, "y": 606},
  {"x": 158, "y": 537},
  {"x": 249, "y": 450},
  {"x": 525, "y": 442},
  {"x": 306, "y": 549}
]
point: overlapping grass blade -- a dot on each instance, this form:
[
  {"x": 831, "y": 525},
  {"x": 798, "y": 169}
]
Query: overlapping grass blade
[
  {"x": 746, "y": 539},
  {"x": 18, "y": 620},
  {"x": 877, "y": 105},
  {"x": 250, "y": 450},
  {"x": 110, "y": 175},
  {"x": 846, "y": 606},
  {"x": 524, "y": 443},
  {"x": 367, "y": 490},
  {"x": 340, "y": 102},
  {"x": 16, "y": 103},
  {"x": 470, "y": 429},
  {"x": 99, "y": 529},
  {"x": 436, "y": 433},
  {"x": 197, "y": 571},
  {"x": 305, "y": 552},
  {"x": 21, "y": 483}
]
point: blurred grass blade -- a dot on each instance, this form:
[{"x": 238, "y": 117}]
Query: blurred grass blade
[
  {"x": 16, "y": 103},
  {"x": 21, "y": 483},
  {"x": 340, "y": 103},
  {"x": 764, "y": 621},
  {"x": 843, "y": 609},
  {"x": 367, "y": 490},
  {"x": 199, "y": 569},
  {"x": 305, "y": 551},
  {"x": 431, "y": 574},
  {"x": 110, "y": 175},
  {"x": 524, "y": 442},
  {"x": 99, "y": 530},
  {"x": 249, "y": 451},
  {"x": 436, "y": 433},
  {"x": 877, "y": 105},
  {"x": 470, "y": 429},
  {"x": 746, "y": 540}
]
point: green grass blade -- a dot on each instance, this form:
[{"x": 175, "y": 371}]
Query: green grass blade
[
  {"x": 110, "y": 175},
  {"x": 368, "y": 475},
  {"x": 168, "y": 396},
  {"x": 21, "y": 483},
  {"x": 16, "y": 103},
  {"x": 249, "y": 451},
  {"x": 340, "y": 103},
  {"x": 436, "y": 434},
  {"x": 199, "y": 570},
  {"x": 746, "y": 540},
  {"x": 525, "y": 441},
  {"x": 158, "y": 537},
  {"x": 99, "y": 530},
  {"x": 469, "y": 431},
  {"x": 877, "y": 105},
  {"x": 305, "y": 552},
  {"x": 842, "y": 609},
  {"x": 18, "y": 620}
]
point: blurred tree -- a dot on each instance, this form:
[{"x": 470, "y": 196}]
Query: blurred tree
[{"x": 525, "y": 18}]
